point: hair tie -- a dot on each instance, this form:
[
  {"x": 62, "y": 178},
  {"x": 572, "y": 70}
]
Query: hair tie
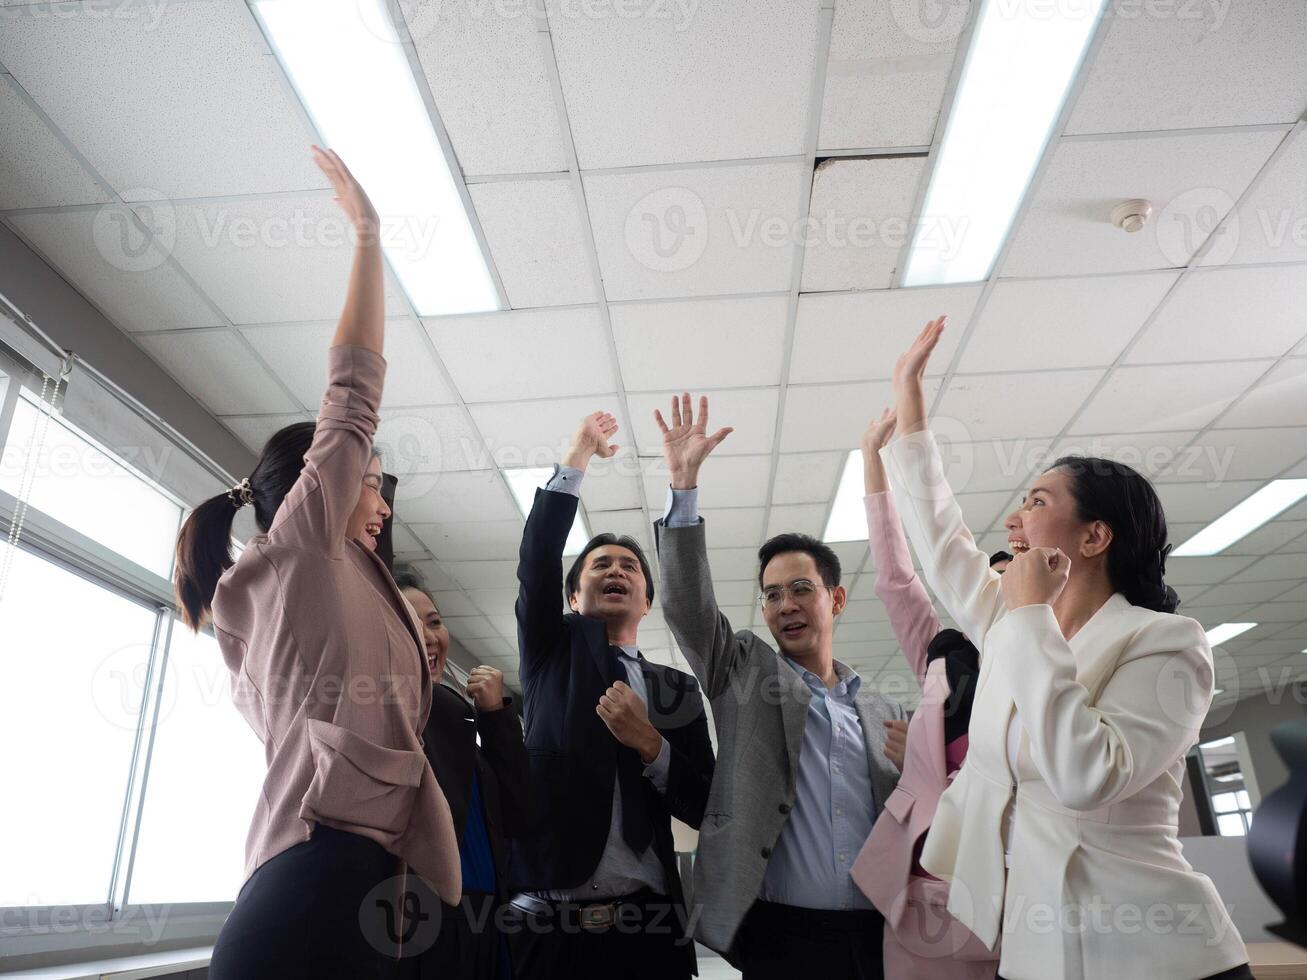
[{"x": 241, "y": 494}]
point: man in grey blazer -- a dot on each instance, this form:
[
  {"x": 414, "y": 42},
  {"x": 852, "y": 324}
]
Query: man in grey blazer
[{"x": 801, "y": 766}]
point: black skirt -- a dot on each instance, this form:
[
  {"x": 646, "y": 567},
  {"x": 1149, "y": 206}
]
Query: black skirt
[{"x": 321, "y": 909}]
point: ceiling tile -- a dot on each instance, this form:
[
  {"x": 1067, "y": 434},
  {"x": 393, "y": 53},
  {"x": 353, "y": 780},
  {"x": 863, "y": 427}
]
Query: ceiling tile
[
  {"x": 525, "y": 354},
  {"x": 1271, "y": 225},
  {"x": 1158, "y": 455},
  {"x": 859, "y": 221},
  {"x": 108, "y": 260},
  {"x": 215, "y": 367},
  {"x": 631, "y": 523},
  {"x": 255, "y": 430},
  {"x": 403, "y": 540},
  {"x": 1191, "y": 180},
  {"x": 487, "y": 71},
  {"x": 297, "y": 352},
  {"x": 1165, "y": 396},
  {"x": 1002, "y": 406},
  {"x": 734, "y": 342},
  {"x": 637, "y": 91},
  {"x": 1208, "y": 308},
  {"x": 887, "y": 71},
  {"x": 268, "y": 260},
  {"x": 1061, "y": 323},
  {"x": 613, "y": 484},
  {"x": 833, "y": 416},
  {"x": 735, "y": 526},
  {"x": 858, "y": 336},
  {"x": 1237, "y": 454},
  {"x": 537, "y": 239},
  {"x": 801, "y": 518},
  {"x": 198, "y": 107},
  {"x": 1274, "y": 568},
  {"x": 750, "y": 411},
  {"x": 697, "y": 232},
  {"x": 537, "y": 433},
  {"x": 476, "y": 495},
  {"x": 472, "y": 541},
  {"x": 486, "y": 578},
  {"x": 805, "y": 478},
  {"x": 1279, "y": 399},
  {"x": 733, "y": 564},
  {"x": 1202, "y": 502},
  {"x": 725, "y": 481},
  {"x": 1181, "y": 65},
  {"x": 981, "y": 510},
  {"x": 464, "y": 628},
  {"x": 419, "y": 445},
  {"x": 36, "y": 170}
]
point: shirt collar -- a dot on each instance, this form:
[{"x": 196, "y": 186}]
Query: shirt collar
[
  {"x": 846, "y": 689},
  {"x": 631, "y": 652}
]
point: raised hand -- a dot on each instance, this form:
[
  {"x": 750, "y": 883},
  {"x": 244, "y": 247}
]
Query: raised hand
[
  {"x": 877, "y": 435},
  {"x": 909, "y": 371},
  {"x": 686, "y": 443},
  {"x": 351, "y": 197},
  {"x": 591, "y": 439}
]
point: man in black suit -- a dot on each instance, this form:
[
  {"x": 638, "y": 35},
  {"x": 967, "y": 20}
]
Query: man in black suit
[
  {"x": 485, "y": 786},
  {"x": 617, "y": 746}
]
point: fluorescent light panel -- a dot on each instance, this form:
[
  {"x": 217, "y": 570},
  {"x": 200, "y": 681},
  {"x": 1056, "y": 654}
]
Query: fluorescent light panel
[
  {"x": 848, "y": 516},
  {"x": 1227, "y": 631},
  {"x": 524, "y": 482},
  {"x": 349, "y": 68},
  {"x": 1244, "y": 518},
  {"x": 1019, "y": 67}
]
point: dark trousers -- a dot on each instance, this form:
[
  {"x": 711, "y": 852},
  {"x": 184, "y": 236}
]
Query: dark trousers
[
  {"x": 311, "y": 911},
  {"x": 783, "y": 942},
  {"x": 645, "y": 943},
  {"x": 470, "y": 946}
]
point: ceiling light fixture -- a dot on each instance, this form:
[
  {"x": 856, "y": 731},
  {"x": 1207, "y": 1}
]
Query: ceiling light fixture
[{"x": 346, "y": 61}]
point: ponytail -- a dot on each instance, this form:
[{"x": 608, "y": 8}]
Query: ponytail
[
  {"x": 204, "y": 545},
  {"x": 1125, "y": 501},
  {"x": 203, "y": 554}
]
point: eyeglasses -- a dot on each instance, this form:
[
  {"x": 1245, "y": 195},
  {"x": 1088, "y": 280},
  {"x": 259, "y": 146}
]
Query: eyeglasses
[{"x": 799, "y": 590}]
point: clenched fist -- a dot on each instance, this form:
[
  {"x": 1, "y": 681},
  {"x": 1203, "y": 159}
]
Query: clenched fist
[
  {"x": 1035, "y": 577},
  {"x": 628, "y": 719},
  {"x": 896, "y": 741},
  {"x": 485, "y": 686}
]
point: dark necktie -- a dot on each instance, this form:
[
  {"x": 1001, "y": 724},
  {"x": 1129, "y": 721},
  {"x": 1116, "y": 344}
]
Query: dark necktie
[{"x": 637, "y": 828}]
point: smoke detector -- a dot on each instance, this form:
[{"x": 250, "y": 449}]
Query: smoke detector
[{"x": 1132, "y": 215}]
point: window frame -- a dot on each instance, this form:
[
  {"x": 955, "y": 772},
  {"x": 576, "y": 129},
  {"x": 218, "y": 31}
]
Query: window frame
[{"x": 45, "y": 935}]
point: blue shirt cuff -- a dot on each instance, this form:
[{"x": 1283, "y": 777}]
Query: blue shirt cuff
[
  {"x": 682, "y": 507},
  {"x": 657, "y": 770},
  {"x": 566, "y": 479}
]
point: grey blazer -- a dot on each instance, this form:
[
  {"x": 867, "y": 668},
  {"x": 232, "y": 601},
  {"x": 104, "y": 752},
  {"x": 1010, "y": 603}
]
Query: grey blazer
[{"x": 760, "y": 707}]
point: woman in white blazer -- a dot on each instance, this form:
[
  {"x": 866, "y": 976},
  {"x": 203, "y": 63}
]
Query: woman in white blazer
[{"x": 1060, "y": 830}]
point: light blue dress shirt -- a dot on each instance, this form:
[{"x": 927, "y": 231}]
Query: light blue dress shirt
[
  {"x": 620, "y": 871},
  {"x": 834, "y": 803}
]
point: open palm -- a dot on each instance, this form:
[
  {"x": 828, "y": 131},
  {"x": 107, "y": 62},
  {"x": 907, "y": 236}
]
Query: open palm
[
  {"x": 351, "y": 197},
  {"x": 686, "y": 443}
]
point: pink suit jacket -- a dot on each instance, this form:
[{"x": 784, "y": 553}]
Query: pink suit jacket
[
  {"x": 913, "y": 906},
  {"x": 326, "y": 659}
]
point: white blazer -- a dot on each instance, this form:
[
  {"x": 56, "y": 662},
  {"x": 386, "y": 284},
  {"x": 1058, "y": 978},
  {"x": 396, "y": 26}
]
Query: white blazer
[{"x": 1097, "y": 887}]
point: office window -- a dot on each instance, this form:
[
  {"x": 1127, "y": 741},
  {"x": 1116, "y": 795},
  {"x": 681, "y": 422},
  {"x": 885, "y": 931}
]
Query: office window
[
  {"x": 71, "y": 683},
  {"x": 1230, "y": 802},
  {"x": 205, "y": 776},
  {"x": 80, "y": 485}
]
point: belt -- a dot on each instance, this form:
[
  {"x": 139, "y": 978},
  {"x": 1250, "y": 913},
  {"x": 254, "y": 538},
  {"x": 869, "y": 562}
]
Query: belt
[{"x": 592, "y": 917}]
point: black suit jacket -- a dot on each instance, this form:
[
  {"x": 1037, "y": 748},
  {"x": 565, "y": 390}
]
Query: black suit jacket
[
  {"x": 449, "y": 741},
  {"x": 566, "y": 665}
]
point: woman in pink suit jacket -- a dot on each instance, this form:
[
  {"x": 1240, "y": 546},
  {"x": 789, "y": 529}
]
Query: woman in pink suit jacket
[
  {"x": 922, "y": 941},
  {"x": 328, "y": 666}
]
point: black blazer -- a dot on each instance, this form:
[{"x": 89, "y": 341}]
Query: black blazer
[
  {"x": 566, "y": 665},
  {"x": 449, "y": 741}
]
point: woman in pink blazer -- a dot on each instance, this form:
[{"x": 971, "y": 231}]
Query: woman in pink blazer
[
  {"x": 922, "y": 941},
  {"x": 328, "y": 667}
]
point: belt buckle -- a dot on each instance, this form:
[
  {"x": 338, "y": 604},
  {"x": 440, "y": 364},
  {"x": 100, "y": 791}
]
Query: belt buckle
[{"x": 595, "y": 916}]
